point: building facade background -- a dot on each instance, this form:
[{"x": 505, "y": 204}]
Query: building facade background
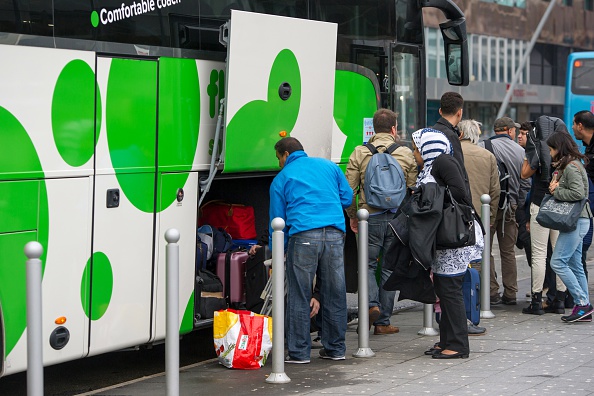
[{"x": 498, "y": 35}]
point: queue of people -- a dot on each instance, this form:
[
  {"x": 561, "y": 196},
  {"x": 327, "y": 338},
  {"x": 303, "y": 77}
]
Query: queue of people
[{"x": 312, "y": 194}]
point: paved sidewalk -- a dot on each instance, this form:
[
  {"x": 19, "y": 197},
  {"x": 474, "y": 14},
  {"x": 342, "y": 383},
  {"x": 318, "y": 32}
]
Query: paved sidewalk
[{"x": 520, "y": 354}]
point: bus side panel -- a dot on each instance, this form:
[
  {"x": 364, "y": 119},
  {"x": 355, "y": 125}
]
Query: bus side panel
[
  {"x": 281, "y": 79},
  {"x": 355, "y": 100},
  {"x": 47, "y": 117},
  {"x": 63, "y": 283},
  {"x": 51, "y": 92},
  {"x": 212, "y": 89},
  {"x": 180, "y": 215},
  {"x": 122, "y": 267}
]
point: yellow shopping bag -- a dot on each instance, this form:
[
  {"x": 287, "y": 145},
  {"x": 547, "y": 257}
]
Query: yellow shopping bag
[{"x": 242, "y": 339}]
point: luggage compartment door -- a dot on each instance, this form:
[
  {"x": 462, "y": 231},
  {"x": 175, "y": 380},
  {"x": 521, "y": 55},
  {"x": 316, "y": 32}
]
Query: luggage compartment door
[
  {"x": 280, "y": 80},
  {"x": 122, "y": 263}
]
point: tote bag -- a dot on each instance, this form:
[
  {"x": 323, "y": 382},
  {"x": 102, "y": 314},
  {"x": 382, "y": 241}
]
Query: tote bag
[
  {"x": 457, "y": 225},
  {"x": 559, "y": 215}
]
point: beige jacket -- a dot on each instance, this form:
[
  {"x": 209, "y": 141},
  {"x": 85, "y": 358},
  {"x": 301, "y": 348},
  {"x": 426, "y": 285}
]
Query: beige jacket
[
  {"x": 355, "y": 171},
  {"x": 483, "y": 176}
]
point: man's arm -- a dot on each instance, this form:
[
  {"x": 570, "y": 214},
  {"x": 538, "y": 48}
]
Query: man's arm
[
  {"x": 527, "y": 170},
  {"x": 277, "y": 208},
  {"x": 353, "y": 176}
]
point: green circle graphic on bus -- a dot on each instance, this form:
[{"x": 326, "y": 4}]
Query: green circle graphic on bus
[
  {"x": 94, "y": 19},
  {"x": 73, "y": 113},
  {"x": 24, "y": 207},
  {"x": 269, "y": 119},
  {"x": 130, "y": 119},
  {"x": 179, "y": 121},
  {"x": 101, "y": 276}
]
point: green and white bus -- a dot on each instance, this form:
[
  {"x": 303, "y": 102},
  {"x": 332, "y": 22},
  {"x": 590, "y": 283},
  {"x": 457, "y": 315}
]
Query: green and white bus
[{"x": 108, "y": 137}]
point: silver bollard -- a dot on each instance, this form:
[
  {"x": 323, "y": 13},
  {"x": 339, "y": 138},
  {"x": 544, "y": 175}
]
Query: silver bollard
[
  {"x": 278, "y": 376},
  {"x": 172, "y": 312},
  {"x": 486, "y": 264},
  {"x": 363, "y": 258},
  {"x": 33, "y": 251},
  {"x": 428, "y": 329}
]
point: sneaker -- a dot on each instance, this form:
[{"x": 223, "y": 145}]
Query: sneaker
[
  {"x": 323, "y": 355},
  {"x": 290, "y": 360},
  {"x": 587, "y": 318},
  {"x": 496, "y": 299},
  {"x": 474, "y": 330},
  {"x": 564, "y": 318},
  {"x": 580, "y": 311},
  {"x": 508, "y": 301},
  {"x": 316, "y": 343}
]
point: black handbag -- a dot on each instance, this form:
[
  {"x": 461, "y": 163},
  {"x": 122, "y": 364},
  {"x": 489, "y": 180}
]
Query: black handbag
[
  {"x": 456, "y": 228},
  {"x": 560, "y": 215}
]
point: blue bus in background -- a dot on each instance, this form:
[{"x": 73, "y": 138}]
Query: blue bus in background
[{"x": 579, "y": 86}]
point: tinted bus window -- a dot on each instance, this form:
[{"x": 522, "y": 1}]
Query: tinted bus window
[
  {"x": 26, "y": 17},
  {"x": 582, "y": 80}
]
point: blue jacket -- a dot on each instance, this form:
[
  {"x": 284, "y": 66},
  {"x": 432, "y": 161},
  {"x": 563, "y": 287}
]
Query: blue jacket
[{"x": 309, "y": 193}]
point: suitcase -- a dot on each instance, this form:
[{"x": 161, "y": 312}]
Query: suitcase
[
  {"x": 256, "y": 277},
  {"x": 471, "y": 289},
  {"x": 231, "y": 270}
]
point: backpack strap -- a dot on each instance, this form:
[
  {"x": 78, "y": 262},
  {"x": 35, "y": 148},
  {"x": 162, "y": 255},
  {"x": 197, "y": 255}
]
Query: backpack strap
[
  {"x": 489, "y": 145},
  {"x": 389, "y": 150},
  {"x": 371, "y": 148}
]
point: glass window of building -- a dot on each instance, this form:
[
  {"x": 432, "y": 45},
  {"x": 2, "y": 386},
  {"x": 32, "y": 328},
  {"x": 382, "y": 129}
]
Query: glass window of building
[
  {"x": 589, "y": 5},
  {"x": 431, "y": 37}
]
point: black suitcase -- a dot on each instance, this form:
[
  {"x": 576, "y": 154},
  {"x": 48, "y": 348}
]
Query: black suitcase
[{"x": 256, "y": 277}]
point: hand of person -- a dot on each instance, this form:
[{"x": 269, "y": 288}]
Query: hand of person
[
  {"x": 253, "y": 249},
  {"x": 354, "y": 225},
  {"x": 553, "y": 186},
  {"x": 315, "y": 307},
  {"x": 528, "y": 226}
]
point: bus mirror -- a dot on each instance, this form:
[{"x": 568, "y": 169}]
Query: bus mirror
[{"x": 456, "y": 51}]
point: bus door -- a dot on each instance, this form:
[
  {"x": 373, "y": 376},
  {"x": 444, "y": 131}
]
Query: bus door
[
  {"x": 121, "y": 278},
  {"x": 406, "y": 89},
  {"x": 280, "y": 82}
]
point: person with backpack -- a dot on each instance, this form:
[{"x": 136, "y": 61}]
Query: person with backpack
[
  {"x": 509, "y": 156},
  {"x": 534, "y": 163},
  {"x": 371, "y": 176}
]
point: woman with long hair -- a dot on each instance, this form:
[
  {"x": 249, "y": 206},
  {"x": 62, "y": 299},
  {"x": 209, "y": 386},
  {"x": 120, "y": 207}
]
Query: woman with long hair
[
  {"x": 433, "y": 151},
  {"x": 570, "y": 183}
]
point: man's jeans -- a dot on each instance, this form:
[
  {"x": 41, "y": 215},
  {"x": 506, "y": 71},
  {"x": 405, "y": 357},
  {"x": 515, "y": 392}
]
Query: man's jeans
[
  {"x": 318, "y": 251},
  {"x": 380, "y": 238},
  {"x": 567, "y": 261}
]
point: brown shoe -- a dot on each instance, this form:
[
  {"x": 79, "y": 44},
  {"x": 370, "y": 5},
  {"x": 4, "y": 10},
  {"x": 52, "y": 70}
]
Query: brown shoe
[
  {"x": 374, "y": 313},
  {"x": 388, "y": 329}
]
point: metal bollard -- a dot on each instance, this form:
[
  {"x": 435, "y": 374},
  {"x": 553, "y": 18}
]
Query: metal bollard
[
  {"x": 428, "y": 329},
  {"x": 363, "y": 314},
  {"x": 33, "y": 251},
  {"x": 486, "y": 264},
  {"x": 278, "y": 376},
  {"x": 172, "y": 312}
]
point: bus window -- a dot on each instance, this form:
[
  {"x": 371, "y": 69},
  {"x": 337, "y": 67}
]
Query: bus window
[
  {"x": 405, "y": 88},
  {"x": 26, "y": 17},
  {"x": 582, "y": 81}
]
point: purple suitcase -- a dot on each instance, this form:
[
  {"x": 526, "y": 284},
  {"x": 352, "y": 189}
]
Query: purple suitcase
[{"x": 231, "y": 270}]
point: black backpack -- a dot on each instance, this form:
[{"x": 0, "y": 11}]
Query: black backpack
[{"x": 503, "y": 177}]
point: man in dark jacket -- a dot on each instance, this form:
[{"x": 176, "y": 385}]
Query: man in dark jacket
[{"x": 450, "y": 111}]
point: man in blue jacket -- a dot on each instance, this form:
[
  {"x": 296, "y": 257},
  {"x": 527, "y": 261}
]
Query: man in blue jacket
[{"x": 310, "y": 195}]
